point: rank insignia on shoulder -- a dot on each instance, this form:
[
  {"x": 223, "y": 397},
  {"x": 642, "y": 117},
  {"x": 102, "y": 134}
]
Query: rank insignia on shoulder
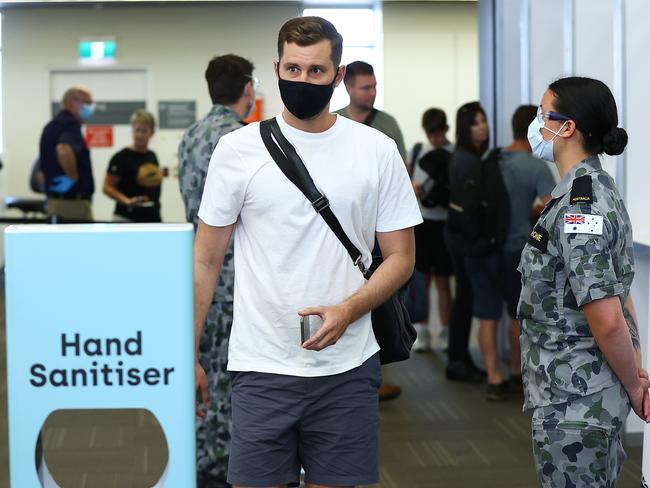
[
  {"x": 581, "y": 191},
  {"x": 583, "y": 224},
  {"x": 538, "y": 238}
]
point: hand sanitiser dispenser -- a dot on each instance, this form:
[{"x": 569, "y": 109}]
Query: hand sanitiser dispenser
[{"x": 100, "y": 337}]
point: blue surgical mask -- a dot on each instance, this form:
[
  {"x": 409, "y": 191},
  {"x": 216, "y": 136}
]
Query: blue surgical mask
[
  {"x": 542, "y": 149},
  {"x": 86, "y": 111},
  {"x": 250, "y": 109}
]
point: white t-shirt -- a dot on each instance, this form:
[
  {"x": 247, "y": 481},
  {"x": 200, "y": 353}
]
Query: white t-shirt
[
  {"x": 420, "y": 176},
  {"x": 286, "y": 257}
]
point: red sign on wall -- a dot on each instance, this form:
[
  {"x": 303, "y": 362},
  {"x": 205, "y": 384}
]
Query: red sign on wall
[
  {"x": 99, "y": 135},
  {"x": 256, "y": 114}
]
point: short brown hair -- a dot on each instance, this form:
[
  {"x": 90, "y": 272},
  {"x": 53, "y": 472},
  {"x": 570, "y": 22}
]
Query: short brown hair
[
  {"x": 143, "y": 117},
  {"x": 227, "y": 76},
  {"x": 307, "y": 31},
  {"x": 357, "y": 68},
  {"x": 521, "y": 119},
  {"x": 434, "y": 120},
  {"x": 74, "y": 93}
]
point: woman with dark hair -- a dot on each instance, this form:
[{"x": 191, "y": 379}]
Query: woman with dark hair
[
  {"x": 472, "y": 139},
  {"x": 581, "y": 357}
]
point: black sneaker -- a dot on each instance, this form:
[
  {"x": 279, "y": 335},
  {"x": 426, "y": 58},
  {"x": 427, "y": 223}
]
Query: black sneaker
[
  {"x": 497, "y": 392},
  {"x": 461, "y": 371}
]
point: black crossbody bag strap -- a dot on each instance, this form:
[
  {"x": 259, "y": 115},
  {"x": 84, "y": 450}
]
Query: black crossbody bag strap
[{"x": 289, "y": 162}]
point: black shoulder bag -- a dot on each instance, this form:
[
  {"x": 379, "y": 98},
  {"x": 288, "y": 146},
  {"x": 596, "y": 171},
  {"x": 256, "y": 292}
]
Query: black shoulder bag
[{"x": 390, "y": 321}]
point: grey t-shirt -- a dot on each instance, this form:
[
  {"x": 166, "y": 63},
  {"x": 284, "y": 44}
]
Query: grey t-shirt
[
  {"x": 526, "y": 178},
  {"x": 386, "y": 124}
]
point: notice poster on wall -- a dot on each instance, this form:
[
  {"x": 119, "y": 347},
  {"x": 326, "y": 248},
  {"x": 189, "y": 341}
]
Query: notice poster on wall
[
  {"x": 176, "y": 114},
  {"x": 99, "y": 135}
]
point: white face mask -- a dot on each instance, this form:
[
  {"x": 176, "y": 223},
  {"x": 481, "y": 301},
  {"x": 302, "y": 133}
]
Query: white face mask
[
  {"x": 251, "y": 108},
  {"x": 542, "y": 149},
  {"x": 255, "y": 83}
]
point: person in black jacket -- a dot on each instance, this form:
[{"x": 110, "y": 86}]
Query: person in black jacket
[{"x": 472, "y": 137}]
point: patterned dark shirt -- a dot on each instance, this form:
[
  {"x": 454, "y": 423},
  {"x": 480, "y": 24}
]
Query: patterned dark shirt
[{"x": 564, "y": 266}]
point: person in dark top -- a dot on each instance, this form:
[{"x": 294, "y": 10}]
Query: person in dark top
[
  {"x": 133, "y": 177},
  {"x": 494, "y": 276},
  {"x": 65, "y": 159},
  {"x": 472, "y": 138}
]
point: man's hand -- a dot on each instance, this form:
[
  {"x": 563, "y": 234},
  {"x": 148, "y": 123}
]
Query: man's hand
[
  {"x": 336, "y": 320},
  {"x": 62, "y": 184},
  {"x": 201, "y": 388}
]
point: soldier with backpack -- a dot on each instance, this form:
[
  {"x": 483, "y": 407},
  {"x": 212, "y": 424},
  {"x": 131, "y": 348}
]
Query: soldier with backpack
[
  {"x": 510, "y": 180},
  {"x": 430, "y": 176}
]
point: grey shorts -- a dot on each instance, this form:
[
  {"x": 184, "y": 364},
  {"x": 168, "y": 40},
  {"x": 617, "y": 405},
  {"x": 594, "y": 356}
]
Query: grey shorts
[
  {"x": 326, "y": 424},
  {"x": 495, "y": 280}
]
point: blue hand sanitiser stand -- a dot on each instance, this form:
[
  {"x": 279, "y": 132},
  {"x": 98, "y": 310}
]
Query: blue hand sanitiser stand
[{"x": 99, "y": 316}]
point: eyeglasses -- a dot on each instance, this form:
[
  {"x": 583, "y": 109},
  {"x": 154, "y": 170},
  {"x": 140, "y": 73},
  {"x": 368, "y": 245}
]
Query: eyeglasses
[
  {"x": 255, "y": 80},
  {"x": 541, "y": 116}
]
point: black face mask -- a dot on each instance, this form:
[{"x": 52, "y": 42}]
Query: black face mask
[{"x": 305, "y": 100}]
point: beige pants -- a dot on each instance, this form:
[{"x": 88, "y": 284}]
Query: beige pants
[{"x": 79, "y": 210}]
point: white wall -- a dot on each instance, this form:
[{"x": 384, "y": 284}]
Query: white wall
[
  {"x": 430, "y": 60},
  {"x": 608, "y": 40},
  {"x": 637, "y": 101},
  {"x": 174, "y": 43},
  {"x": 538, "y": 42}
]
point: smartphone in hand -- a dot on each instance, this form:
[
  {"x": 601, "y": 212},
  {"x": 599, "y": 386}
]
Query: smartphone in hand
[{"x": 309, "y": 324}]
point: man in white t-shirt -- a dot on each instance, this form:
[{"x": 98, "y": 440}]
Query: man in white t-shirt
[{"x": 311, "y": 404}]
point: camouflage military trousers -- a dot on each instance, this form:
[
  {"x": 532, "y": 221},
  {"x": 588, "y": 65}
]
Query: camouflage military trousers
[
  {"x": 578, "y": 443},
  {"x": 213, "y": 431}
]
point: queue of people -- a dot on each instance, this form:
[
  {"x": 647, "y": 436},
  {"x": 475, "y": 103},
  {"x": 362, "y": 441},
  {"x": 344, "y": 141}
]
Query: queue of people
[
  {"x": 564, "y": 277},
  {"x": 485, "y": 281},
  {"x": 271, "y": 402}
]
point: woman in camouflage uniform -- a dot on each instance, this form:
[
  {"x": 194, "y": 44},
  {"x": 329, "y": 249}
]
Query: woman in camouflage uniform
[{"x": 580, "y": 348}]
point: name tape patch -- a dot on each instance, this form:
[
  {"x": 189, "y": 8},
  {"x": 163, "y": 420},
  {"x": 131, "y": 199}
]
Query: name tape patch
[
  {"x": 538, "y": 238},
  {"x": 583, "y": 224}
]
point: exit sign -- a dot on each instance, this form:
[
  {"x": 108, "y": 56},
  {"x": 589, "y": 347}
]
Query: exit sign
[{"x": 100, "y": 51}]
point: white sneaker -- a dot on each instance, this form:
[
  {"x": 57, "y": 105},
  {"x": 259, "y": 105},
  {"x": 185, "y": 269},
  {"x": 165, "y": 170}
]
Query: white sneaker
[
  {"x": 421, "y": 344},
  {"x": 441, "y": 341}
]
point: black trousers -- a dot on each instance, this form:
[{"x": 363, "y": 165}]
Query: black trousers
[{"x": 460, "y": 322}]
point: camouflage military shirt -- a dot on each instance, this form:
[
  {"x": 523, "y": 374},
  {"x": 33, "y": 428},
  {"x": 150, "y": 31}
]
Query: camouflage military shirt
[
  {"x": 194, "y": 154},
  {"x": 579, "y": 251},
  {"x": 213, "y": 431}
]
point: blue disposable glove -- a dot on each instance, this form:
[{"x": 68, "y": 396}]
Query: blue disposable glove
[{"x": 62, "y": 184}]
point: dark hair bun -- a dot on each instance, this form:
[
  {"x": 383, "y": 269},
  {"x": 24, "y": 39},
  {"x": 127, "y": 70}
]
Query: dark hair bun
[{"x": 614, "y": 141}]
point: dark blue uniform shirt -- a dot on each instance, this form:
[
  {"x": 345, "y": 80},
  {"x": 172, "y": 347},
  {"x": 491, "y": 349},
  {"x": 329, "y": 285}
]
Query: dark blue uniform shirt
[{"x": 64, "y": 128}]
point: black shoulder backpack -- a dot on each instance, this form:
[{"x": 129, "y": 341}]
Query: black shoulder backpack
[
  {"x": 479, "y": 209},
  {"x": 435, "y": 189},
  {"x": 390, "y": 321}
]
